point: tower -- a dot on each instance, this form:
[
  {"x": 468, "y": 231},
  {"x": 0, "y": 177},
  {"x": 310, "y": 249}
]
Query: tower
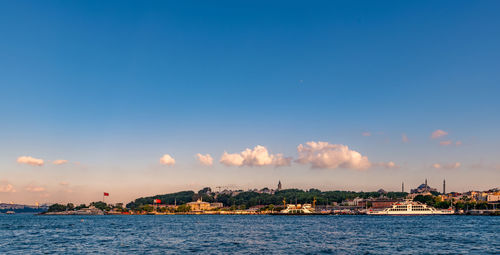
[
  {"x": 279, "y": 185},
  {"x": 403, "y": 187},
  {"x": 426, "y": 187},
  {"x": 444, "y": 186}
]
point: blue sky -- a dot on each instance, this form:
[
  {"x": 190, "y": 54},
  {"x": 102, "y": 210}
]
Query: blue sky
[{"x": 114, "y": 85}]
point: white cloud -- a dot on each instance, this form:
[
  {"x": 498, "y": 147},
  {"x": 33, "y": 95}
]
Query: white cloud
[
  {"x": 388, "y": 165},
  {"x": 6, "y": 187},
  {"x": 445, "y": 143},
  {"x": 30, "y": 161},
  {"x": 231, "y": 159},
  {"x": 205, "y": 160},
  {"x": 404, "y": 138},
  {"x": 35, "y": 189},
  {"x": 326, "y": 155},
  {"x": 438, "y": 133},
  {"x": 366, "y": 134},
  {"x": 59, "y": 162},
  {"x": 258, "y": 156},
  {"x": 447, "y": 166},
  {"x": 167, "y": 160}
]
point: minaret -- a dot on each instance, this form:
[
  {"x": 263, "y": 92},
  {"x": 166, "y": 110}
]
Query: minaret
[
  {"x": 426, "y": 189},
  {"x": 444, "y": 186},
  {"x": 403, "y": 187}
]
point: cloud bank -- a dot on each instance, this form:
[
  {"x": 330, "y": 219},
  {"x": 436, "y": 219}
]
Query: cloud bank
[
  {"x": 30, "y": 161},
  {"x": 35, "y": 189},
  {"x": 332, "y": 156},
  {"x": 388, "y": 165},
  {"x": 258, "y": 156},
  {"x": 6, "y": 187},
  {"x": 205, "y": 160},
  {"x": 167, "y": 160},
  {"x": 447, "y": 166},
  {"x": 59, "y": 162}
]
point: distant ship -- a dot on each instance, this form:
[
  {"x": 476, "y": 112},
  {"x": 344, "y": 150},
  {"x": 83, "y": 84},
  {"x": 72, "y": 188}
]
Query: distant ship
[{"x": 410, "y": 208}]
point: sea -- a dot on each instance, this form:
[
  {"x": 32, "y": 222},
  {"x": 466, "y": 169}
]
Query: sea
[{"x": 248, "y": 234}]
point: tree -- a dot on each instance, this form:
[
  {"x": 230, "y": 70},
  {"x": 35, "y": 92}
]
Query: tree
[
  {"x": 146, "y": 208},
  {"x": 80, "y": 206},
  {"x": 206, "y": 190},
  {"x": 100, "y": 205},
  {"x": 183, "y": 208},
  {"x": 57, "y": 208}
]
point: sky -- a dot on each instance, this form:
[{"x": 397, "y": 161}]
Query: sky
[{"x": 138, "y": 98}]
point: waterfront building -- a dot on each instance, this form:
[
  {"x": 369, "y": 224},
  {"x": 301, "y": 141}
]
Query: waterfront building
[
  {"x": 355, "y": 202},
  {"x": 199, "y": 205},
  {"x": 378, "y": 203}
]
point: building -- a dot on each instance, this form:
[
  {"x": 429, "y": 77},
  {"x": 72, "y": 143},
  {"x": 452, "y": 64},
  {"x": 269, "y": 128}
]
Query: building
[
  {"x": 279, "y": 186},
  {"x": 378, "y": 203},
  {"x": 354, "y": 202},
  {"x": 423, "y": 188},
  {"x": 199, "y": 206}
]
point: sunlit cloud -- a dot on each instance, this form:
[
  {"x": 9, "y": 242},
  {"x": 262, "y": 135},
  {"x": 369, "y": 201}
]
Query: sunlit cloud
[
  {"x": 438, "y": 133},
  {"x": 59, "y": 162},
  {"x": 388, "y": 165},
  {"x": 258, "y": 156},
  {"x": 6, "y": 187},
  {"x": 234, "y": 159},
  {"x": 167, "y": 160},
  {"x": 404, "y": 138},
  {"x": 34, "y": 189},
  {"x": 447, "y": 166},
  {"x": 205, "y": 160},
  {"x": 458, "y": 143},
  {"x": 445, "y": 143},
  {"x": 65, "y": 187},
  {"x": 326, "y": 155},
  {"x": 366, "y": 134},
  {"x": 30, "y": 161}
]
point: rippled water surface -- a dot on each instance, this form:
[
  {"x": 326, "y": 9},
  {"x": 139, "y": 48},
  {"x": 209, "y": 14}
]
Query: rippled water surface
[{"x": 215, "y": 234}]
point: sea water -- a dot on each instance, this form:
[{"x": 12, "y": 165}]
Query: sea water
[{"x": 239, "y": 234}]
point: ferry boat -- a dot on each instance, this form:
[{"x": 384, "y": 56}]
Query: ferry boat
[
  {"x": 408, "y": 207},
  {"x": 298, "y": 209}
]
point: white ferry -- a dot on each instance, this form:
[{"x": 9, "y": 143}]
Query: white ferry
[
  {"x": 410, "y": 208},
  {"x": 298, "y": 209}
]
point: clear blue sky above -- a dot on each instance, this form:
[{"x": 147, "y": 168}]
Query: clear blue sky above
[{"x": 114, "y": 85}]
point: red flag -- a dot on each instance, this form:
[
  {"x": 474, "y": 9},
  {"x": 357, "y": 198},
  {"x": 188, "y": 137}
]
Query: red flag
[
  {"x": 106, "y": 194},
  {"x": 157, "y": 201}
]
